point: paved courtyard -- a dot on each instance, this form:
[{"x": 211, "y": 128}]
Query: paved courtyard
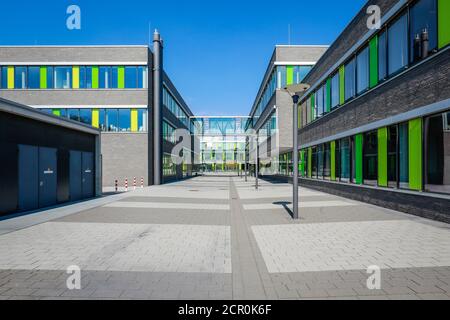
[{"x": 219, "y": 238}]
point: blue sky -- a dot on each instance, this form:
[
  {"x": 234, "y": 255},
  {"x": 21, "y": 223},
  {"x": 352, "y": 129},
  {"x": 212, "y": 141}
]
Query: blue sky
[{"x": 216, "y": 51}]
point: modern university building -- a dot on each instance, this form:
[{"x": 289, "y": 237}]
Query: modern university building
[
  {"x": 375, "y": 124},
  {"x": 122, "y": 90}
]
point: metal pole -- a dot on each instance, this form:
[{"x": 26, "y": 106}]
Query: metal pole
[
  {"x": 295, "y": 159},
  {"x": 256, "y": 162},
  {"x": 245, "y": 158}
]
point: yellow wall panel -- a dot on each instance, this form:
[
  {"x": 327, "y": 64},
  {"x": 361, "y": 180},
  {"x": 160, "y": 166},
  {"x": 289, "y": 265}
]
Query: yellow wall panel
[{"x": 134, "y": 120}]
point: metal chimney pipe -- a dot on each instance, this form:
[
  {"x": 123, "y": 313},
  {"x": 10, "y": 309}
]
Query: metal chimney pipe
[
  {"x": 425, "y": 43},
  {"x": 157, "y": 107}
]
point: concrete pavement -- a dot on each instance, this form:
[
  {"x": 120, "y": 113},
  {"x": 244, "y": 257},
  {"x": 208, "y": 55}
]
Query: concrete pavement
[{"x": 218, "y": 238}]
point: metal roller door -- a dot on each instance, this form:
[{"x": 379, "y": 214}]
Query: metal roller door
[
  {"x": 88, "y": 174},
  {"x": 28, "y": 177},
  {"x": 47, "y": 177},
  {"x": 75, "y": 176}
]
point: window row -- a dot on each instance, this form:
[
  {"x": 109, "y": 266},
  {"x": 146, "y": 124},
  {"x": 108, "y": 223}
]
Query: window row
[
  {"x": 280, "y": 78},
  {"x": 411, "y": 155},
  {"x": 112, "y": 120},
  {"x": 168, "y": 132},
  {"x": 171, "y": 103},
  {"x": 409, "y": 38},
  {"x": 73, "y": 77},
  {"x": 169, "y": 168}
]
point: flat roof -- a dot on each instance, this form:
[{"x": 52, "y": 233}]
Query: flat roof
[{"x": 15, "y": 108}]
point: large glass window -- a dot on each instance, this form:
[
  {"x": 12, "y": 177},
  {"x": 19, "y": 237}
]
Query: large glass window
[
  {"x": 124, "y": 120},
  {"x": 350, "y": 80},
  {"x": 398, "y": 45},
  {"x": 142, "y": 120},
  {"x": 362, "y": 70},
  {"x": 344, "y": 153},
  {"x": 115, "y": 77},
  {"x": 142, "y": 77},
  {"x": 392, "y": 156},
  {"x": 326, "y": 161},
  {"x": 101, "y": 119},
  {"x": 382, "y": 59},
  {"x": 104, "y": 80},
  {"x": 370, "y": 158},
  {"x": 130, "y": 77},
  {"x": 335, "y": 91},
  {"x": 34, "y": 77},
  {"x": 320, "y": 101},
  {"x": 437, "y": 153},
  {"x": 50, "y": 77},
  {"x": 423, "y": 16},
  {"x": 88, "y": 77},
  {"x": 20, "y": 77},
  {"x": 73, "y": 114},
  {"x": 353, "y": 157},
  {"x": 169, "y": 168},
  {"x": 82, "y": 78},
  {"x": 403, "y": 155},
  {"x": 86, "y": 116},
  {"x": 112, "y": 120},
  {"x": 63, "y": 77},
  {"x": 4, "y": 77},
  {"x": 302, "y": 72},
  {"x": 320, "y": 161},
  {"x": 314, "y": 162}
]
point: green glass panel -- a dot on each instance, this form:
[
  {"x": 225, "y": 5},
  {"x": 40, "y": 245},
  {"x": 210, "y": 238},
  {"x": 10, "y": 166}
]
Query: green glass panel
[
  {"x": 373, "y": 47},
  {"x": 415, "y": 153},
  {"x": 382, "y": 157},
  {"x": 443, "y": 23},
  {"x": 359, "y": 158},
  {"x": 309, "y": 162},
  {"x": 313, "y": 101},
  {"x": 43, "y": 78},
  {"x": 289, "y": 75},
  {"x": 333, "y": 160},
  {"x": 94, "y": 77},
  {"x": 121, "y": 77}
]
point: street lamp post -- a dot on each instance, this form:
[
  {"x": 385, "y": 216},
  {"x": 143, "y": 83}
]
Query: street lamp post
[{"x": 295, "y": 91}]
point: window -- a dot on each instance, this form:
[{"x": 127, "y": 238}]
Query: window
[
  {"x": 124, "y": 120},
  {"x": 50, "y": 76},
  {"x": 73, "y": 114},
  {"x": 142, "y": 77},
  {"x": 101, "y": 119},
  {"x": 34, "y": 77},
  {"x": 115, "y": 77},
  {"x": 326, "y": 161},
  {"x": 112, "y": 123},
  {"x": 335, "y": 91},
  {"x": 63, "y": 77},
  {"x": 398, "y": 45},
  {"x": 86, "y": 116},
  {"x": 20, "y": 77},
  {"x": 392, "y": 156},
  {"x": 437, "y": 175},
  {"x": 82, "y": 84},
  {"x": 142, "y": 120},
  {"x": 4, "y": 82},
  {"x": 308, "y": 110},
  {"x": 320, "y": 102},
  {"x": 320, "y": 161},
  {"x": 281, "y": 76},
  {"x": 370, "y": 158},
  {"x": 169, "y": 168},
  {"x": 130, "y": 77},
  {"x": 353, "y": 157},
  {"x": 403, "y": 154},
  {"x": 362, "y": 70},
  {"x": 382, "y": 59},
  {"x": 104, "y": 80},
  {"x": 314, "y": 162},
  {"x": 88, "y": 77},
  {"x": 344, "y": 153},
  {"x": 302, "y": 72},
  {"x": 350, "y": 80},
  {"x": 422, "y": 19}
]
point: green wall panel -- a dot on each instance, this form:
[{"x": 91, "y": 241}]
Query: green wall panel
[
  {"x": 302, "y": 163},
  {"x": 309, "y": 162},
  {"x": 415, "y": 153},
  {"x": 382, "y": 157},
  {"x": 289, "y": 75},
  {"x": 443, "y": 22},
  {"x": 313, "y": 102},
  {"x": 121, "y": 77},
  {"x": 359, "y": 158},
  {"x": 373, "y": 47},
  {"x": 56, "y": 112},
  {"x": 333, "y": 160},
  {"x": 94, "y": 77},
  {"x": 328, "y": 102},
  {"x": 341, "y": 85},
  {"x": 43, "y": 77}
]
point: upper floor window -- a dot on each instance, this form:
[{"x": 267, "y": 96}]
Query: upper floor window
[
  {"x": 20, "y": 77},
  {"x": 63, "y": 77},
  {"x": 382, "y": 58},
  {"x": 398, "y": 45},
  {"x": 362, "y": 70},
  {"x": 350, "y": 80},
  {"x": 82, "y": 77},
  {"x": 130, "y": 77},
  {"x": 423, "y": 27},
  {"x": 105, "y": 77},
  {"x": 34, "y": 77},
  {"x": 335, "y": 91}
]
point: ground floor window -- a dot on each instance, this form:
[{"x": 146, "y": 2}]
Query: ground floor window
[
  {"x": 403, "y": 154},
  {"x": 320, "y": 161},
  {"x": 326, "y": 161},
  {"x": 392, "y": 144},
  {"x": 169, "y": 168},
  {"x": 370, "y": 158},
  {"x": 314, "y": 162},
  {"x": 437, "y": 153},
  {"x": 344, "y": 153}
]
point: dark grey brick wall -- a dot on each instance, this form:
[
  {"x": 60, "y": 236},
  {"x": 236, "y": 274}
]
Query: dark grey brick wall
[{"x": 419, "y": 86}]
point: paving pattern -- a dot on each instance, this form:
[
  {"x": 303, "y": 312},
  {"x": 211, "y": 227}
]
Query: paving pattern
[{"x": 219, "y": 238}]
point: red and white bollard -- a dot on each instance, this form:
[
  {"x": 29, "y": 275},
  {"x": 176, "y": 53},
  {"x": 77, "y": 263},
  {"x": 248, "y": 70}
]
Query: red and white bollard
[
  {"x": 142, "y": 182},
  {"x": 116, "y": 185},
  {"x": 134, "y": 183},
  {"x": 126, "y": 185}
]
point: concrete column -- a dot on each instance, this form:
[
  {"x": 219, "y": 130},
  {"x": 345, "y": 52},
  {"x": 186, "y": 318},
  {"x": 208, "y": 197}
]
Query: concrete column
[{"x": 157, "y": 107}]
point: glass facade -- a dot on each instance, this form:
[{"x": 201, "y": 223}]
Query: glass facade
[{"x": 174, "y": 107}]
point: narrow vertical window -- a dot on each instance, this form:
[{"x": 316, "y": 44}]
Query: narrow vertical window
[
  {"x": 362, "y": 71},
  {"x": 382, "y": 58},
  {"x": 350, "y": 80},
  {"x": 398, "y": 45},
  {"x": 423, "y": 29},
  {"x": 20, "y": 77}
]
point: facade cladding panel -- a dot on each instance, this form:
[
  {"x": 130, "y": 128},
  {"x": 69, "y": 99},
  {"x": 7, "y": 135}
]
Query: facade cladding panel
[
  {"x": 35, "y": 160},
  {"x": 390, "y": 130}
]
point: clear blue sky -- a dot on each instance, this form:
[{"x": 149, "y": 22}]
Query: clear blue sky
[{"x": 216, "y": 51}]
